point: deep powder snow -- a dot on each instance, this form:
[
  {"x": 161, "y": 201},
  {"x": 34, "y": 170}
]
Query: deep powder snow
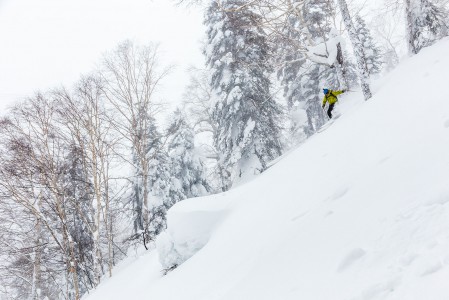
[{"x": 359, "y": 211}]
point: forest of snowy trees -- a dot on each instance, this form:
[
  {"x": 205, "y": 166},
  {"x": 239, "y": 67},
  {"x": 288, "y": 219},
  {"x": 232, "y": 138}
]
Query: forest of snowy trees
[{"x": 89, "y": 172}]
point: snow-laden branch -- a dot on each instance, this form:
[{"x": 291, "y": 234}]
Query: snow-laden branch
[{"x": 326, "y": 52}]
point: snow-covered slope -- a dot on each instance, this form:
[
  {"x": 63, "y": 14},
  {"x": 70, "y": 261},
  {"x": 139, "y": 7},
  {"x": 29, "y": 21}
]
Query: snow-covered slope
[{"x": 360, "y": 211}]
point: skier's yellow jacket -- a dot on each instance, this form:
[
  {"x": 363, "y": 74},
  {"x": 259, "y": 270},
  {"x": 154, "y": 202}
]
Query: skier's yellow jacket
[{"x": 331, "y": 96}]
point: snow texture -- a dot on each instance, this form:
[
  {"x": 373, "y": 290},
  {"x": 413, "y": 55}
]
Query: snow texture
[{"x": 357, "y": 212}]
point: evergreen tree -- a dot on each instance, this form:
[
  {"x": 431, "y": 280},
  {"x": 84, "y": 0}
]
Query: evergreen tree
[
  {"x": 159, "y": 181},
  {"x": 292, "y": 65},
  {"x": 247, "y": 116},
  {"x": 136, "y": 197},
  {"x": 290, "y": 59},
  {"x": 78, "y": 189},
  {"x": 303, "y": 79},
  {"x": 317, "y": 17},
  {"x": 426, "y": 22},
  {"x": 372, "y": 53},
  {"x": 151, "y": 220},
  {"x": 186, "y": 169},
  {"x": 312, "y": 95},
  {"x": 343, "y": 73}
]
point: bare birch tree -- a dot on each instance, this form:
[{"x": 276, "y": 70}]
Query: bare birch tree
[
  {"x": 131, "y": 77},
  {"x": 84, "y": 115},
  {"x": 32, "y": 176}
]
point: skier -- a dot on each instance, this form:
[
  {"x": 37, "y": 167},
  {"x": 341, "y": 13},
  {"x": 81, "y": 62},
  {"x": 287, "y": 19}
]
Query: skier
[{"x": 331, "y": 97}]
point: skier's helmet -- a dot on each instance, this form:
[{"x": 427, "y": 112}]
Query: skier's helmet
[{"x": 325, "y": 91}]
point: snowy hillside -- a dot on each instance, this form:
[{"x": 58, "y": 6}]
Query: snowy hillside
[{"x": 360, "y": 211}]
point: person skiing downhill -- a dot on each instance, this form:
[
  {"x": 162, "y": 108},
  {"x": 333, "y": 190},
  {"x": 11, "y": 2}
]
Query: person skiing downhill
[{"x": 330, "y": 97}]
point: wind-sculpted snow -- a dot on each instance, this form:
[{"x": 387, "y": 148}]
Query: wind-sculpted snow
[
  {"x": 357, "y": 212},
  {"x": 189, "y": 226}
]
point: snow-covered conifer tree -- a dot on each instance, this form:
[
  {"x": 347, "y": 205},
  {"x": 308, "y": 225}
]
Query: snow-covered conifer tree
[
  {"x": 311, "y": 91},
  {"x": 316, "y": 16},
  {"x": 290, "y": 59},
  {"x": 151, "y": 219},
  {"x": 247, "y": 116},
  {"x": 303, "y": 79},
  {"x": 136, "y": 195},
  {"x": 426, "y": 22},
  {"x": 188, "y": 178},
  {"x": 292, "y": 65},
  {"x": 158, "y": 181},
  {"x": 79, "y": 213},
  {"x": 371, "y": 51}
]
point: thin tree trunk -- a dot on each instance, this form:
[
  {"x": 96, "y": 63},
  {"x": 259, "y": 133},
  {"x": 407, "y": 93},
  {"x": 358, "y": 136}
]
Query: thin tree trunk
[
  {"x": 410, "y": 28},
  {"x": 73, "y": 269},
  {"x": 146, "y": 192},
  {"x": 358, "y": 49},
  {"x": 341, "y": 74},
  {"x": 92, "y": 123},
  {"x": 97, "y": 219},
  {"x": 36, "y": 280},
  {"x": 107, "y": 213}
]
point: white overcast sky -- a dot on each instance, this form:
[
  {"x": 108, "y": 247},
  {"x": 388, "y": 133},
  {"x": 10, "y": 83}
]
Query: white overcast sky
[{"x": 46, "y": 43}]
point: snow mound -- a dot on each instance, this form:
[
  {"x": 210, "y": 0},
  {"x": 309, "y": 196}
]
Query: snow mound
[{"x": 190, "y": 225}]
